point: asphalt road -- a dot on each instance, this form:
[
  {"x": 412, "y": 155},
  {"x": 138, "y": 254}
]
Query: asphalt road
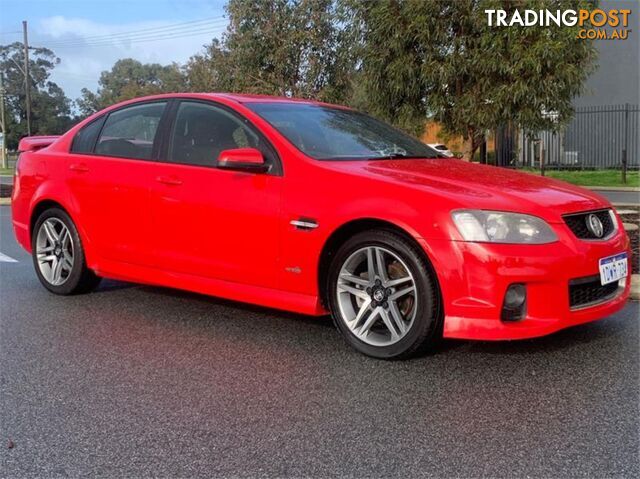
[
  {"x": 135, "y": 381},
  {"x": 628, "y": 197}
]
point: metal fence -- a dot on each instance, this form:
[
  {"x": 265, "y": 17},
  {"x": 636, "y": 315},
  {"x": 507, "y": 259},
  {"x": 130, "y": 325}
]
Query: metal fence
[{"x": 598, "y": 137}]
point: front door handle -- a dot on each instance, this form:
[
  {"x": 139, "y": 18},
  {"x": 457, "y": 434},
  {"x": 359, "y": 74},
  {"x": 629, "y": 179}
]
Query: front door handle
[
  {"x": 169, "y": 180},
  {"x": 79, "y": 167}
]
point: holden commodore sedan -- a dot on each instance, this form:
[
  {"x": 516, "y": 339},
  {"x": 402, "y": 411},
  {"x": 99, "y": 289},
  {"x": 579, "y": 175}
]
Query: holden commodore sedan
[{"x": 315, "y": 208}]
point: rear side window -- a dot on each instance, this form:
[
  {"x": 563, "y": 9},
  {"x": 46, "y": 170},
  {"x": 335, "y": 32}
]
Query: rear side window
[
  {"x": 85, "y": 139},
  {"x": 130, "y": 132}
]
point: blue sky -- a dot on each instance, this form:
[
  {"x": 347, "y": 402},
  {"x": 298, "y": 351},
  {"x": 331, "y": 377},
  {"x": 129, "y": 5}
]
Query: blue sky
[{"x": 90, "y": 35}]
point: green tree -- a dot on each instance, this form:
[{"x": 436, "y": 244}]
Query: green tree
[
  {"x": 88, "y": 103},
  {"x": 432, "y": 59},
  {"x": 210, "y": 70},
  {"x": 129, "y": 79},
  {"x": 278, "y": 47},
  {"x": 50, "y": 108}
]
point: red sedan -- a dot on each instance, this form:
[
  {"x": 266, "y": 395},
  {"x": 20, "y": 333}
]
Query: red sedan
[{"x": 315, "y": 208}]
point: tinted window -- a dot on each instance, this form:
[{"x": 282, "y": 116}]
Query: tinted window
[
  {"x": 85, "y": 139},
  {"x": 202, "y": 131},
  {"x": 339, "y": 134},
  {"x": 130, "y": 132}
]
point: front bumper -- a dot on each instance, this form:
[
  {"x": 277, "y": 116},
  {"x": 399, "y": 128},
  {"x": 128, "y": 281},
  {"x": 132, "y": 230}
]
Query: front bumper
[{"x": 474, "y": 277}]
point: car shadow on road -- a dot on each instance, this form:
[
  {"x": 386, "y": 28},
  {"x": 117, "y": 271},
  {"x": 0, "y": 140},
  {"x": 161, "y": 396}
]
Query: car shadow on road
[
  {"x": 237, "y": 305},
  {"x": 582, "y": 334},
  {"x": 567, "y": 338},
  {"x": 108, "y": 285}
]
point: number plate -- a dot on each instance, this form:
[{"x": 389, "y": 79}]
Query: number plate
[{"x": 613, "y": 268}]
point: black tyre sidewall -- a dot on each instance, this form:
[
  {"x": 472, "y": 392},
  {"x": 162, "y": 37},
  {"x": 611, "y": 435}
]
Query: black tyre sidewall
[
  {"x": 79, "y": 271},
  {"x": 426, "y": 324}
]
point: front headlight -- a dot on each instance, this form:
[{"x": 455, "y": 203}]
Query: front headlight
[{"x": 501, "y": 227}]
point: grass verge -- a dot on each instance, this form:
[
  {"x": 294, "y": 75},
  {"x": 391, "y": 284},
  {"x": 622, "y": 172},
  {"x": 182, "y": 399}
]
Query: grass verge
[{"x": 592, "y": 177}]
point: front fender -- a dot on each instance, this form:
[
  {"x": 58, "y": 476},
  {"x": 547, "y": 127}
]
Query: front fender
[{"x": 302, "y": 250}]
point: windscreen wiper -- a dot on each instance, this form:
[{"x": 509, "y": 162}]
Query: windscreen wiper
[
  {"x": 395, "y": 156},
  {"x": 390, "y": 156}
]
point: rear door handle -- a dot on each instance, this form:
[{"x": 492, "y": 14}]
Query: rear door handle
[
  {"x": 169, "y": 180},
  {"x": 80, "y": 167}
]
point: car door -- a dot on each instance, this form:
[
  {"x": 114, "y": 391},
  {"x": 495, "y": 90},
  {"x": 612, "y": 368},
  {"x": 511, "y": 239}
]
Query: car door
[
  {"x": 208, "y": 221},
  {"x": 112, "y": 168}
]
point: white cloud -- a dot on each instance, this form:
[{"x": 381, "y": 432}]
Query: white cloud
[{"x": 84, "y": 52}]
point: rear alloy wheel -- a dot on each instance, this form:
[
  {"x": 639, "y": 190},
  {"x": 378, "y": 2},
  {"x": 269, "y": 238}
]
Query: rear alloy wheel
[
  {"x": 54, "y": 251},
  {"x": 383, "y": 296},
  {"x": 58, "y": 255}
]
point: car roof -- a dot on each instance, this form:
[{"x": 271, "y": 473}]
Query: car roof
[
  {"x": 234, "y": 97},
  {"x": 237, "y": 97},
  {"x": 250, "y": 98}
]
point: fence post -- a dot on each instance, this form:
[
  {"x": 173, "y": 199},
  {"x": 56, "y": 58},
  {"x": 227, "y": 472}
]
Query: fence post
[
  {"x": 542, "y": 152},
  {"x": 626, "y": 143}
]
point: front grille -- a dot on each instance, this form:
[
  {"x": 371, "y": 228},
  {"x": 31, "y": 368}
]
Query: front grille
[
  {"x": 589, "y": 291},
  {"x": 578, "y": 224}
]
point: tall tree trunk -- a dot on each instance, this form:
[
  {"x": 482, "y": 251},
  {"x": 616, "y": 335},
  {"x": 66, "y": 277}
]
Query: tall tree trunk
[
  {"x": 467, "y": 149},
  {"x": 472, "y": 142}
]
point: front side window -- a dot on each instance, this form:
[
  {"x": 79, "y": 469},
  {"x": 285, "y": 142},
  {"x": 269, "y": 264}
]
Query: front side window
[
  {"x": 202, "y": 131},
  {"x": 329, "y": 133},
  {"x": 130, "y": 132}
]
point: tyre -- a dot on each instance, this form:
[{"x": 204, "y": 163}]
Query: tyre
[
  {"x": 58, "y": 256},
  {"x": 383, "y": 295}
]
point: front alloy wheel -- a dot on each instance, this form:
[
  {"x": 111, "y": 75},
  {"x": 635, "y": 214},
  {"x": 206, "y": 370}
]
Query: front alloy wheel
[
  {"x": 383, "y": 295},
  {"x": 377, "y": 296}
]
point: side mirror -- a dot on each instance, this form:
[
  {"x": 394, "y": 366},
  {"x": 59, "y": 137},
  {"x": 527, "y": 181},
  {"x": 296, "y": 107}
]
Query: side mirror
[{"x": 242, "y": 159}]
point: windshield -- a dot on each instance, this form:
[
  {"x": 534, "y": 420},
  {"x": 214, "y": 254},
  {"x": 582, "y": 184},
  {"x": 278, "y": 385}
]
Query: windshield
[{"x": 327, "y": 133}]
